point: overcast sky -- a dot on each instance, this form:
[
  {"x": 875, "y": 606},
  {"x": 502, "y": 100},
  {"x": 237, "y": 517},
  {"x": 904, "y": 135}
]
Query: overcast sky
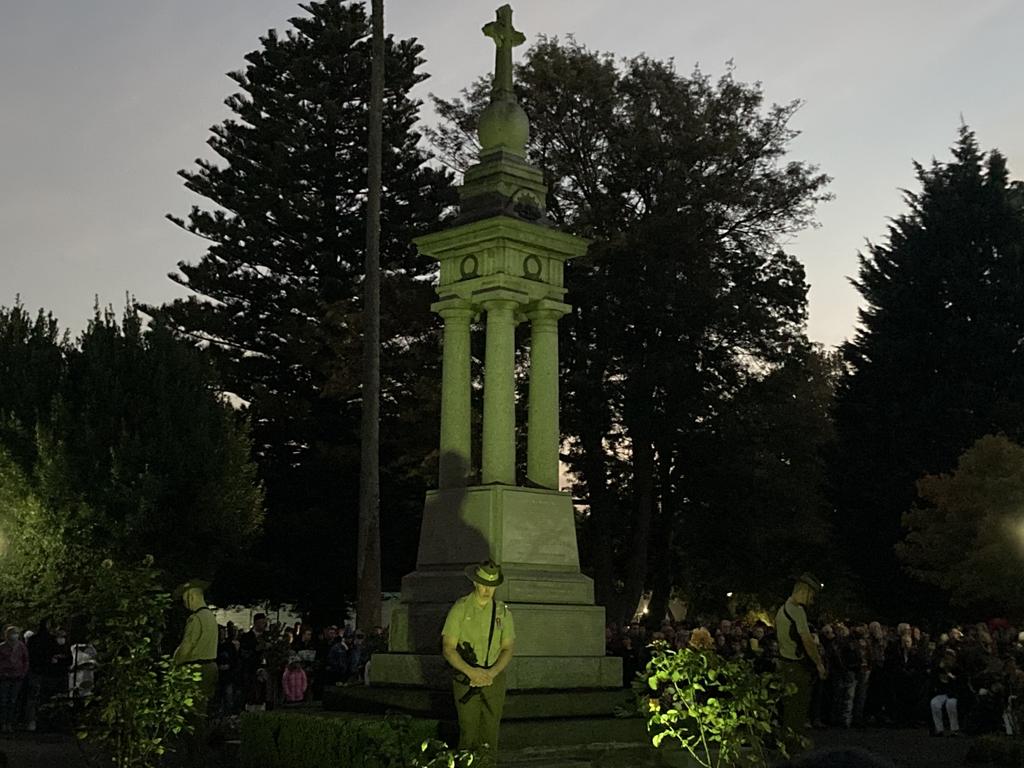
[{"x": 104, "y": 100}]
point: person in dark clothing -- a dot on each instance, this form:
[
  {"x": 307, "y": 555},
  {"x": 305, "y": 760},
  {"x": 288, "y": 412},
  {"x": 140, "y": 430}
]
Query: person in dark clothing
[
  {"x": 304, "y": 640},
  {"x": 251, "y": 659},
  {"x": 42, "y": 647},
  {"x": 630, "y": 661},
  {"x": 906, "y": 674},
  {"x": 878, "y": 708},
  {"x": 229, "y": 669},
  {"x": 338, "y": 667},
  {"x": 846, "y": 662},
  {"x": 945, "y": 692},
  {"x": 323, "y": 675}
]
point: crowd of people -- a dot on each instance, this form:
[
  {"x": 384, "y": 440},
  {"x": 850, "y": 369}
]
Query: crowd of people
[
  {"x": 269, "y": 665},
  {"x": 37, "y": 666},
  {"x": 261, "y": 667},
  {"x": 964, "y": 679}
]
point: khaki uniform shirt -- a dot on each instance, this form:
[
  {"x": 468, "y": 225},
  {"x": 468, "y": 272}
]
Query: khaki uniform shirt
[
  {"x": 787, "y": 648},
  {"x": 200, "y": 640},
  {"x": 468, "y": 621}
]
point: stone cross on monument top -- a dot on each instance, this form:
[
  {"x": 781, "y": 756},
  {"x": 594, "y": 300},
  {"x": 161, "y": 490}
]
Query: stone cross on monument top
[
  {"x": 505, "y": 39},
  {"x": 503, "y": 124}
]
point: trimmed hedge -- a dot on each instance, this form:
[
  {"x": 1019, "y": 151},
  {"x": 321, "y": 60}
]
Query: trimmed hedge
[{"x": 298, "y": 740}]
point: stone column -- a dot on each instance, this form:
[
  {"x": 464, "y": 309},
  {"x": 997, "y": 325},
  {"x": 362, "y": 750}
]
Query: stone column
[
  {"x": 542, "y": 430},
  {"x": 455, "y": 462},
  {"x": 499, "y": 443}
]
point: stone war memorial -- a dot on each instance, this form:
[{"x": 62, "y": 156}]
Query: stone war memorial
[{"x": 501, "y": 264}]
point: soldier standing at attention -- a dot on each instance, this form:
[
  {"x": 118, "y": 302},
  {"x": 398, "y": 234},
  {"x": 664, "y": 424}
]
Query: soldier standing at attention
[
  {"x": 798, "y": 652},
  {"x": 477, "y": 642},
  {"x": 199, "y": 645}
]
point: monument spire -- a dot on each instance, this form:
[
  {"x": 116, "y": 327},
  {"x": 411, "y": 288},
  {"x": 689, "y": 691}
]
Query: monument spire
[
  {"x": 503, "y": 124},
  {"x": 505, "y": 39}
]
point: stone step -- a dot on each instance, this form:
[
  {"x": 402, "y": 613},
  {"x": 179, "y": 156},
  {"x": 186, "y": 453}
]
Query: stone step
[
  {"x": 518, "y": 704},
  {"x": 524, "y": 673},
  {"x": 594, "y": 755},
  {"x": 562, "y": 732}
]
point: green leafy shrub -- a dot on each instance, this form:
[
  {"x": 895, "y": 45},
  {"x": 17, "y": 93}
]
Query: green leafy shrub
[
  {"x": 142, "y": 701},
  {"x": 435, "y": 753},
  {"x": 720, "y": 711},
  {"x": 293, "y": 740}
]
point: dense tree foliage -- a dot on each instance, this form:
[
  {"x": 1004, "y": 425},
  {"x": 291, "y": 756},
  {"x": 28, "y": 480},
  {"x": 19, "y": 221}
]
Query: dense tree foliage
[
  {"x": 966, "y": 533},
  {"x": 936, "y": 362},
  {"x": 33, "y": 358},
  {"x": 758, "y": 504},
  {"x": 134, "y": 450},
  {"x": 277, "y": 293},
  {"x": 686, "y": 296},
  {"x": 35, "y": 547}
]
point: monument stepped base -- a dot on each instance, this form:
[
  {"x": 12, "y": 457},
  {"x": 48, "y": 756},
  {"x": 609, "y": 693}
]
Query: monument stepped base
[
  {"x": 540, "y": 728},
  {"x": 519, "y": 705},
  {"x": 524, "y": 673}
]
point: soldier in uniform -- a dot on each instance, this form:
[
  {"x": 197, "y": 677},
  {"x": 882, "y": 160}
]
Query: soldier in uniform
[
  {"x": 798, "y": 652},
  {"x": 198, "y": 646},
  {"x": 477, "y": 642}
]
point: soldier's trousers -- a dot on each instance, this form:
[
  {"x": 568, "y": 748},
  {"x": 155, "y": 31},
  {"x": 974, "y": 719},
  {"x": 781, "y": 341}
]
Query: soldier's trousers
[
  {"x": 796, "y": 706},
  {"x": 480, "y": 717}
]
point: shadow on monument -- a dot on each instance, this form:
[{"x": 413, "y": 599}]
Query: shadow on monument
[
  {"x": 443, "y": 516},
  {"x": 412, "y": 677}
]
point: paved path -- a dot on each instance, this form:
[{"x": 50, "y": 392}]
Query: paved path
[
  {"x": 906, "y": 748},
  {"x": 42, "y": 750}
]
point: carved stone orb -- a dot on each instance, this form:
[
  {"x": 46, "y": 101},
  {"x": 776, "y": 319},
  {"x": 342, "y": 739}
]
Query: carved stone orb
[{"x": 504, "y": 125}]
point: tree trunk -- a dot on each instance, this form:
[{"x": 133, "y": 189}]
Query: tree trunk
[
  {"x": 643, "y": 503},
  {"x": 662, "y": 572},
  {"x": 595, "y": 475},
  {"x": 368, "y": 566}
]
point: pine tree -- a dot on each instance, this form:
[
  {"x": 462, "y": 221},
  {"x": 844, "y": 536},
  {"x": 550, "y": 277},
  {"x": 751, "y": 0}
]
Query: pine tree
[
  {"x": 278, "y": 290},
  {"x": 936, "y": 361}
]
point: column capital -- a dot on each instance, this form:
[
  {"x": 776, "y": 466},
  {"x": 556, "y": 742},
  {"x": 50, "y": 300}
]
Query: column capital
[
  {"x": 546, "y": 310},
  {"x": 499, "y": 303},
  {"x": 496, "y": 297},
  {"x": 454, "y": 308}
]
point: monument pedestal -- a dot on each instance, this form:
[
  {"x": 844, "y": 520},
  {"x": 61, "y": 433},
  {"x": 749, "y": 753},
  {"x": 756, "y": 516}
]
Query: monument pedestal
[{"x": 531, "y": 532}]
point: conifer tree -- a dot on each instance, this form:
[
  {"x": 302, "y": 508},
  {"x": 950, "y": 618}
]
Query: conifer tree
[
  {"x": 937, "y": 360},
  {"x": 277, "y": 294}
]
